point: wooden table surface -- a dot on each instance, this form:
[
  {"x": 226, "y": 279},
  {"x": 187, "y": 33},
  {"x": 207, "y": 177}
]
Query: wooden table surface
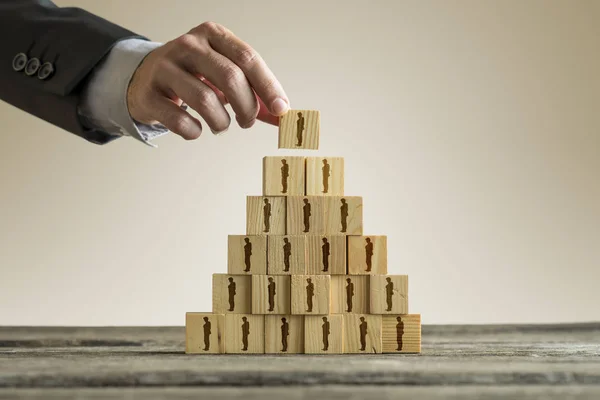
[{"x": 458, "y": 362}]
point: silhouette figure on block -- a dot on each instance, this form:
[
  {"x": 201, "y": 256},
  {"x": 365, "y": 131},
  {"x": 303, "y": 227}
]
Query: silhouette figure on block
[
  {"x": 285, "y": 332},
  {"x": 285, "y": 173},
  {"x": 307, "y": 213},
  {"x": 245, "y": 333},
  {"x": 247, "y": 254},
  {"x": 272, "y": 293},
  {"x": 363, "y": 334},
  {"x": 326, "y": 331},
  {"x": 369, "y": 254},
  {"x": 299, "y": 129},
  {"x": 389, "y": 292},
  {"x": 232, "y": 293},
  {"x": 349, "y": 294},
  {"x": 206, "y": 327},
  {"x": 399, "y": 333},
  {"x": 267, "y": 215},
  {"x": 344, "y": 213},
  {"x": 326, "y": 252},
  {"x": 326, "y": 174},
  {"x": 287, "y": 253},
  {"x": 310, "y": 292}
]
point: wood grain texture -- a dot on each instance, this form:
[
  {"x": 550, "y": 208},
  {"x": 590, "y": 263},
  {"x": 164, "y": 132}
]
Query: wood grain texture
[
  {"x": 287, "y": 255},
  {"x": 367, "y": 255},
  {"x": 311, "y": 294},
  {"x": 349, "y": 294},
  {"x": 299, "y": 129},
  {"x": 244, "y": 334},
  {"x": 343, "y": 215},
  {"x": 232, "y": 294},
  {"x": 246, "y": 254},
  {"x": 305, "y": 215},
  {"x": 283, "y": 176},
  {"x": 389, "y": 294},
  {"x": 401, "y": 333},
  {"x": 270, "y": 294},
  {"x": 265, "y": 215},
  {"x": 324, "y": 176},
  {"x": 275, "y": 328},
  {"x": 362, "y": 333},
  {"x": 324, "y": 334},
  {"x": 326, "y": 255},
  {"x": 204, "y": 333}
]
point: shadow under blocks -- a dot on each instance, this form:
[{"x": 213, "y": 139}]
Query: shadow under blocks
[{"x": 305, "y": 278}]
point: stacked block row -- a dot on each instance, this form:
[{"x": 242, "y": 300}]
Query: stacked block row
[{"x": 299, "y": 334}]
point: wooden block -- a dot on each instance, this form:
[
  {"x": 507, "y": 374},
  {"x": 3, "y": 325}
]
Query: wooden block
[
  {"x": 284, "y": 334},
  {"x": 299, "y": 129},
  {"x": 270, "y": 294},
  {"x": 246, "y": 254},
  {"x": 287, "y": 255},
  {"x": 325, "y": 176},
  {"x": 311, "y": 294},
  {"x": 401, "y": 333},
  {"x": 389, "y": 294},
  {"x": 232, "y": 294},
  {"x": 344, "y": 215},
  {"x": 323, "y": 334},
  {"x": 244, "y": 333},
  {"x": 265, "y": 215},
  {"x": 326, "y": 254},
  {"x": 204, "y": 333},
  {"x": 362, "y": 333},
  {"x": 349, "y": 294},
  {"x": 283, "y": 176},
  {"x": 367, "y": 255},
  {"x": 305, "y": 215}
]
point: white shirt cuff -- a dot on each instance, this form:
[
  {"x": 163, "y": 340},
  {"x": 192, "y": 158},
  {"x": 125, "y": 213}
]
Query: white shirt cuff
[{"x": 104, "y": 98}]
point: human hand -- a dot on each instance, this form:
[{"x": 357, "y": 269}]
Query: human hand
[{"x": 205, "y": 68}]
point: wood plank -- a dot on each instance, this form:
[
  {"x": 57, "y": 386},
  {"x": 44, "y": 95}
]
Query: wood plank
[
  {"x": 343, "y": 214},
  {"x": 325, "y": 176},
  {"x": 324, "y": 334},
  {"x": 326, "y": 255},
  {"x": 232, "y": 294},
  {"x": 311, "y": 294},
  {"x": 244, "y": 334},
  {"x": 349, "y": 294},
  {"x": 270, "y": 294},
  {"x": 283, "y": 176},
  {"x": 401, "y": 333},
  {"x": 204, "y": 333},
  {"x": 367, "y": 255},
  {"x": 284, "y": 334},
  {"x": 389, "y": 294},
  {"x": 305, "y": 215},
  {"x": 246, "y": 254},
  {"x": 299, "y": 129},
  {"x": 265, "y": 215},
  {"x": 362, "y": 333},
  {"x": 287, "y": 254}
]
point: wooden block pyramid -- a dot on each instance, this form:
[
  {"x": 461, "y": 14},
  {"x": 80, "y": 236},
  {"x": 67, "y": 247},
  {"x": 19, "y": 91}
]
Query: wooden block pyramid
[{"x": 304, "y": 279}]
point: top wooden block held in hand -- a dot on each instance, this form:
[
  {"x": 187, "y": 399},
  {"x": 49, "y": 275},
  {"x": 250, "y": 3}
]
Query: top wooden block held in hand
[{"x": 299, "y": 129}]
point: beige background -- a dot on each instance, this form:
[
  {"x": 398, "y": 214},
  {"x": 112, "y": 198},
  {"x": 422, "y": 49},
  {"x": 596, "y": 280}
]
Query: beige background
[{"x": 472, "y": 129}]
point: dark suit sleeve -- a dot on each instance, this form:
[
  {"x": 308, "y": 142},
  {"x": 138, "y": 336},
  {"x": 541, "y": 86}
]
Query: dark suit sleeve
[{"x": 71, "y": 40}]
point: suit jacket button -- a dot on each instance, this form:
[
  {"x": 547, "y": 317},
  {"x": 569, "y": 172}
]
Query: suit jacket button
[
  {"x": 19, "y": 62},
  {"x": 32, "y": 66},
  {"x": 46, "y": 71}
]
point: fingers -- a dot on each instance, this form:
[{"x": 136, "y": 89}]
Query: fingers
[
  {"x": 262, "y": 80},
  {"x": 265, "y": 116},
  {"x": 174, "y": 118},
  {"x": 199, "y": 96}
]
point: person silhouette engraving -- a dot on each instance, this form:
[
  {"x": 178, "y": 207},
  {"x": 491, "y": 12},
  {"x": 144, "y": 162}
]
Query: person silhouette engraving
[
  {"x": 326, "y": 331},
  {"x": 349, "y": 294},
  {"x": 247, "y": 254},
  {"x": 307, "y": 213},
  {"x": 363, "y": 334},
  {"x": 369, "y": 254},
  {"x": 326, "y": 174},
  {"x": 271, "y": 288},
  {"x": 285, "y": 332},
  {"x": 344, "y": 214},
  {"x": 285, "y": 173},
  {"x": 267, "y": 215},
  {"x": 299, "y": 129},
  {"x": 399, "y": 333},
  {"x": 245, "y": 333},
  {"x": 287, "y": 253},
  {"x": 310, "y": 292},
  {"x": 389, "y": 292},
  {"x": 207, "y": 332},
  {"x": 326, "y": 248},
  {"x": 232, "y": 293}
]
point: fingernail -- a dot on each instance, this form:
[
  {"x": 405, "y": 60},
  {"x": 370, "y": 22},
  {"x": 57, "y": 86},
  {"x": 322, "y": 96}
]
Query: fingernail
[
  {"x": 217, "y": 133},
  {"x": 279, "y": 106}
]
